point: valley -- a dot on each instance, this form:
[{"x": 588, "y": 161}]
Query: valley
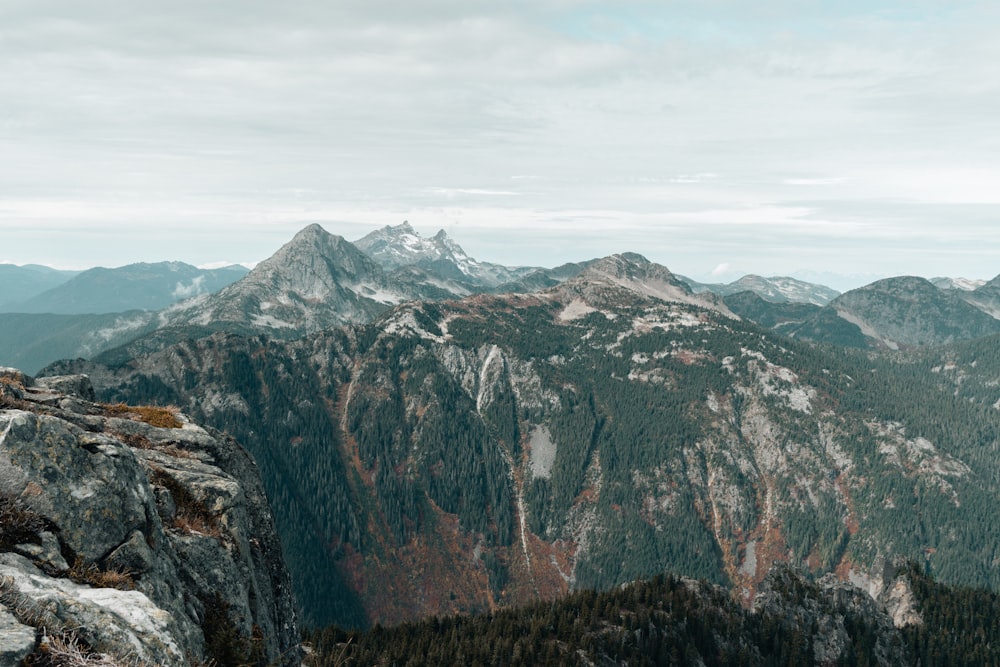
[{"x": 488, "y": 450}]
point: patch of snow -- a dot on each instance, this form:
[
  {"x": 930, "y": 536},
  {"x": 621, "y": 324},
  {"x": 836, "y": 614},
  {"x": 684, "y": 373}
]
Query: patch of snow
[
  {"x": 271, "y": 321},
  {"x": 379, "y": 294},
  {"x": 543, "y": 453},
  {"x": 576, "y": 309},
  {"x": 494, "y": 354},
  {"x": 404, "y": 322}
]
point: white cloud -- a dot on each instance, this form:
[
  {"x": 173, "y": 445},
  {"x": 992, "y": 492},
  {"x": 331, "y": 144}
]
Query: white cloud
[{"x": 686, "y": 126}]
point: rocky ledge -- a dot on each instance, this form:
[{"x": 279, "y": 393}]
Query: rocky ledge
[{"x": 130, "y": 535}]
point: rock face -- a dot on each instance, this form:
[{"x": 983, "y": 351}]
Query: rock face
[
  {"x": 828, "y": 607},
  {"x": 134, "y": 531}
]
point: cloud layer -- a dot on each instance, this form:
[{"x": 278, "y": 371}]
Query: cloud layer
[{"x": 771, "y": 136}]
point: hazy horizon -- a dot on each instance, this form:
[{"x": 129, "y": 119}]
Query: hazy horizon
[{"x": 840, "y": 282}]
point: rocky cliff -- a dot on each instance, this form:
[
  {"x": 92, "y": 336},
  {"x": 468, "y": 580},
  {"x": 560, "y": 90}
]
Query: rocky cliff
[{"x": 133, "y": 533}]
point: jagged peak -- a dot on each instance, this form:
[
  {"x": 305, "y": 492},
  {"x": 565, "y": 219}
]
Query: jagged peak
[
  {"x": 313, "y": 262},
  {"x": 312, "y": 238},
  {"x": 401, "y": 229},
  {"x": 315, "y": 230}
]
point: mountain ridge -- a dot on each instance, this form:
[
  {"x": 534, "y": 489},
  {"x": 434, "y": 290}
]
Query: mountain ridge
[
  {"x": 588, "y": 416},
  {"x": 141, "y": 286},
  {"x": 399, "y": 246}
]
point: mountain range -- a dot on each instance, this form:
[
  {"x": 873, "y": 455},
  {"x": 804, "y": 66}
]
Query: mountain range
[
  {"x": 893, "y": 313},
  {"x": 777, "y": 289},
  {"x": 22, "y": 283},
  {"x": 440, "y": 456},
  {"x": 133, "y": 287},
  {"x": 399, "y": 246},
  {"x": 350, "y": 283}
]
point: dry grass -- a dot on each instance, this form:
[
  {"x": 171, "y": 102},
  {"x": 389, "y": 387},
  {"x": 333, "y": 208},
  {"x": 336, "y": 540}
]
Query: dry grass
[
  {"x": 137, "y": 441},
  {"x": 11, "y": 383},
  {"x": 89, "y": 573},
  {"x": 192, "y": 515},
  {"x": 162, "y": 417},
  {"x": 23, "y": 608},
  {"x": 19, "y": 524},
  {"x": 66, "y": 650},
  {"x": 196, "y": 523},
  {"x": 12, "y": 396}
]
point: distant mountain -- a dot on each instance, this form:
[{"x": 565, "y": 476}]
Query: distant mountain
[
  {"x": 134, "y": 287},
  {"x": 100, "y": 309},
  {"x": 893, "y": 313},
  {"x": 316, "y": 280},
  {"x": 604, "y": 278},
  {"x": 32, "y": 340},
  {"x": 773, "y": 315},
  {"x": 985, "y": 297},
  {"x": 540, "y": 279},
  {"x": 777, "y": 289},
  {"x": 910, "y": 311},
  {"x": 965, "y": 284},
  {"x": 399, "y": 246},
  {"x": 21, "y": 283}
]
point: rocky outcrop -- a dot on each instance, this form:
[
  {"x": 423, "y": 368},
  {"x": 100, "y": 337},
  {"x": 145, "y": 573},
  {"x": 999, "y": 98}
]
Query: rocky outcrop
[
  {"x": 134, "y": 533},
  {"x": 829, "y": 607}
]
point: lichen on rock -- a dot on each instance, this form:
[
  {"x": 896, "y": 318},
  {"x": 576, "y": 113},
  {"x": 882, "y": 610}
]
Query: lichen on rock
[{"x": 97, "y": 496}]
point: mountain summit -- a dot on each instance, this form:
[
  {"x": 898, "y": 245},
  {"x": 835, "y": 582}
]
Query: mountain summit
[
  {"x": 401, "y": 246},
  {"x": 637, "y": 274},
  {"x": 314, "y": 281}
]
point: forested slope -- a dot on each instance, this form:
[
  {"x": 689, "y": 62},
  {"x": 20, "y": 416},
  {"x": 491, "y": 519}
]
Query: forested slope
[{"x": 475, "y": 454}]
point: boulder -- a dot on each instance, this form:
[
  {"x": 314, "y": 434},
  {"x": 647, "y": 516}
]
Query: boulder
[{"x": 18, "y": 641}]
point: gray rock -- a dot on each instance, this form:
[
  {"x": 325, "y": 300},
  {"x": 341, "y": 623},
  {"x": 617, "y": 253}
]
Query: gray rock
[
  {"x": 17, "y": 641},
  {"x": 133, "y": 556},
  {"x": 823, "y": 605},
  {"x": 47, "y": 553},
  {"x": 119, "y": 508},
  {"x": 126, "y": 624},
  {"x": 90, "y": 485},
  {"x": 78, "y": 386}
]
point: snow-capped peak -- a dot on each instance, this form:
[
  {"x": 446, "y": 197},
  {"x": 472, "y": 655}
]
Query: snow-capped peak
[{"x": 399, "y": 246}]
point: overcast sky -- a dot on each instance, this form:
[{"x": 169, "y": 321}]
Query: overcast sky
[{"x": 716, "y": 137}]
